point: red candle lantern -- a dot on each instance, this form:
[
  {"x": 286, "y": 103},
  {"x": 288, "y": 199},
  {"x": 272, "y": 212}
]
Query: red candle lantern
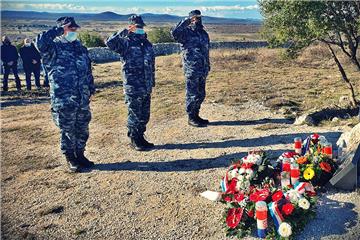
[
  {"x": 328, "y": 150},
  {"x": 286, "y": 165},
  {"x": 295, "y": 173},
  {"x": 298, "y": 145}
]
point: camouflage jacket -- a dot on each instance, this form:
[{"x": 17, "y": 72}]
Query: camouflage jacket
[
  {"x": 138, "y": 58},
  {"x": 69, "y": 69},
  {"x": 195, "y": 48}
]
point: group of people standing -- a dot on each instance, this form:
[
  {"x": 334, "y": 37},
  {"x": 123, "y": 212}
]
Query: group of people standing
[
  {"x": 72, "y": 83},
  {"x": 31, "y": 60}
]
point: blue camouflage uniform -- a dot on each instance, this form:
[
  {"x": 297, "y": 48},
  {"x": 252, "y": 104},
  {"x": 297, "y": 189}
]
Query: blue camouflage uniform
[
  {"x": 138, "y": 58},
  {"x": 71, "y": 85},
  {"x": 194, "y": 43}
]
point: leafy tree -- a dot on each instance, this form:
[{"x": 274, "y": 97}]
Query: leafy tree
[
  {"x": 301, "y": 23},
  {"x": 90, "y": 39},
  {"x": 160, "y": 35}
]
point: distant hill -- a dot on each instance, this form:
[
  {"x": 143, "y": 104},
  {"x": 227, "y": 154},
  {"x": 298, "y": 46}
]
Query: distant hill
[{"x": 111, "y": 16}]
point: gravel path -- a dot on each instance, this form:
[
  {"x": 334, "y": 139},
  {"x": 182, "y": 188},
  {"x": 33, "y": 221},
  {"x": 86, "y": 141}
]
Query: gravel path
[{"x": 155, "y": 195}]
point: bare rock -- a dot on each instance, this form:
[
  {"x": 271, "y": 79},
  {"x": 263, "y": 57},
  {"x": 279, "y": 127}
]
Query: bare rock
[
  {"x": 354, "y": 138},
  {"x": 305, "y": 119},
  {"x": 344, "y": 101},
  {"x": 351, "y": 138}
]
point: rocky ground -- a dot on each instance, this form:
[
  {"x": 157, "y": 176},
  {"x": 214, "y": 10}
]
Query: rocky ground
[{"x": 155, "y": 195}]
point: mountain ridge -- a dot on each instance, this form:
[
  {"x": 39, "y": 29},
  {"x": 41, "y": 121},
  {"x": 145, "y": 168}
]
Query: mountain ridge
[{"x": 112, "y": 16}]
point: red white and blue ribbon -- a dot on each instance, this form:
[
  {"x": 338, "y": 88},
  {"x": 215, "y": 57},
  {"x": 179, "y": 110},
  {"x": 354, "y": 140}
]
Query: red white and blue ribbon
[
  {"x": 301, "y": 187},
  {"x": 306, "y": 145},
  {"x": 275, "y": 214}
]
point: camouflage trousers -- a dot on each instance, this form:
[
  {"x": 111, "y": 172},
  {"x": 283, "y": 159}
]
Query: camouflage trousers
[
  {"x": 74, "y": 127},
  {"x": 195, "y": 94},
  {"x": 138, "y": 114}
]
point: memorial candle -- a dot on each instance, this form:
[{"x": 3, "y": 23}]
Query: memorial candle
[
  {"x": 298, "y": 145},
  {"x": 294, "y": 173},
  {"x": 328, "y": 150},
  {"x": 261, "y": 218}
]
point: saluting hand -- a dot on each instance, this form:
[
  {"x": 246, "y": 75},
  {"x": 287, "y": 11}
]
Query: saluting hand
[
  {"x": 34, "y": 61},
  {"x": 132, "y": 28},
  {"x": 66, "y": 27}
]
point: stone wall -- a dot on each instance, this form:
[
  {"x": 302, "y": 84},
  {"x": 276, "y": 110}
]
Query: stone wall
[{"x": 103, "y": 54}]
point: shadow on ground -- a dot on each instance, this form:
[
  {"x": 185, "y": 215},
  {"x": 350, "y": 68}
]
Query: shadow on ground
[
  {"x": 248, "y": 142},
  {"x": 333, "y": 218},
  {"x": 253, "y": 122}
]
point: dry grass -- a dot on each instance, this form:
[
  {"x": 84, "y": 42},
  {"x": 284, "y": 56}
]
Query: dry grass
[{"x": 40, "y": 200}]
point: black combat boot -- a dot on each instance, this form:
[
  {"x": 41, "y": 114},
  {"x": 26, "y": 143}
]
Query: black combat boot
[
  {"x": 145, "y": 143},
  {"x": 137, "y": 144},
  {"x": 195, "y": 122},
  {"x": 72, "y": 162},
  {"x": 82, "y": 160},
  {"x": 204, "y": 121}
]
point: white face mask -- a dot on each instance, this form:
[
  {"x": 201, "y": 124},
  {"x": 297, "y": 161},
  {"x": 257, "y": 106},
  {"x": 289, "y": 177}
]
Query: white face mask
[
  {"x": 71, "y": 36},
  {"x": 27, "y": 44}
]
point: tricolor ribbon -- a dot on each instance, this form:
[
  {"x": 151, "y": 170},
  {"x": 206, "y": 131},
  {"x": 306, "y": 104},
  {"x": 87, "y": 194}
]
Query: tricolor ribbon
[
  {"x": 301, "y": 187},
  {"x": 306, "y": 145},
  {"x": 275, "y": 214}
]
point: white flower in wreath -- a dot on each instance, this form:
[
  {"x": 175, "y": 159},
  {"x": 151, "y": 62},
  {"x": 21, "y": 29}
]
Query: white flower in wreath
[
  {"x": 233, "y": 173},
  {"x": 304, "y": 203},
  {"x": 242, "y": 170},
  {"x": 243, "y": 183},
  {"x": 285, "y": 230},
  {"x": 240, "y": 178},
  {"x": 249, "y": 173},
  {"x": 252, "y": 158},
  {"x": 293, "y": 195},
  {"x": 256, "y": 159}
]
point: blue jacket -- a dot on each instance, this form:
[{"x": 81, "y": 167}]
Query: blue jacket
[
  {"x": 9, "y": 53},
  {"x": 27, "y": 55},
  {"x": 138, "y": 58},
  {"x": 194, "y": 43},
  {"x": 69, "y": 69}
]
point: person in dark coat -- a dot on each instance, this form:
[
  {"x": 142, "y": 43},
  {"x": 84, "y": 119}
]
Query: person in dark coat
[
  {"x": 138, "y": 58},
  {"x": 9, "y": 57},
  {"x": 71, "y": 86},
  {"x": 31, "y": 62},
  {"x": 194, "y": 42}
]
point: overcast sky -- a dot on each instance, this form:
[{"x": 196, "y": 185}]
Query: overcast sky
[{"x": 229, "y": 9}]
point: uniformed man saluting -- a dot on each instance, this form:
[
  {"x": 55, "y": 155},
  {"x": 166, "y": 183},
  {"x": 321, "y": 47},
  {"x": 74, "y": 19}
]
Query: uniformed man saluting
[
  {"x": 138, "y": 58},
  {"x": 194, "y": 42},
  {"x": 71, "y": 86}
]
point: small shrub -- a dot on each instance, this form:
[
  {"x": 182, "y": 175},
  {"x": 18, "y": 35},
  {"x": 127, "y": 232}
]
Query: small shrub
[
  {"x": 90, "y": 39},
  {"x": 160, "y": 35}
]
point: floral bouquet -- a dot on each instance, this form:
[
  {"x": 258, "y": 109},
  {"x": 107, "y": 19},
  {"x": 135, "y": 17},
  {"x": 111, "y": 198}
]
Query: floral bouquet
[
  {"x": 316, "y": 165},
  {"x": 249, "y": 193}
]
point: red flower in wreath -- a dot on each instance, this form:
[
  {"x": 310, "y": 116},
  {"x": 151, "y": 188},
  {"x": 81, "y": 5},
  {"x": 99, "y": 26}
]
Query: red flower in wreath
[
  {"x": 247, "y": 165},
  {"x": 277, "y": 196},
  {"x": 227, "y": 199},
  {"x": 325, "y": 167},
  {"x": 232, "y": 186},
  {"x": 310, "y": 193},
  {"x": 288, "y": 208},
  {"x": 239, "y": 197},
  {"x": 250, "y": 213},
  {"x": 233, "y": 217},
  {"x": 289, "y": 154},
  {"x": 260, "y": 195},
  {"x": 315, "y": 138}
]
